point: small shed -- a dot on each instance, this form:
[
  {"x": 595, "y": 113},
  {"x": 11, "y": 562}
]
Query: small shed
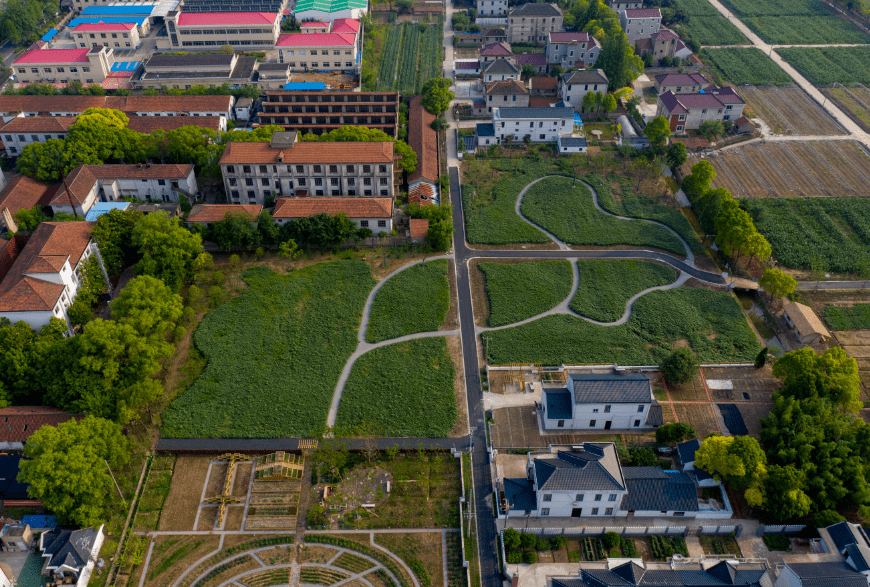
[
  {"x": 808, "y": 328},
  {"x": 16, "y": 537},
  {"x": 744, "y": 126},
  {"x": 573, "y": 143},
  {"x": 243, "y": 108},
  {"x": 486, "y": 135},
  {"x": 418, "y": 229}
]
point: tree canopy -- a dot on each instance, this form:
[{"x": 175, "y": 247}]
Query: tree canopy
[
  {"x": 674, "y": 432},
  {"x": 166, "y": 247},
  {"x": 362, "y": 134},
  {"x": 436, "y": 95},
  {"x": 113, "y": 234},
  {"x": 657, "y": 131},
  {"x": 832, "y": 375},
  {"x": 680, "y": 366},
  {"x": 736, "y": 459},
  {"x": 149, "y": 306},
  {"x": 777, "y": 283}
]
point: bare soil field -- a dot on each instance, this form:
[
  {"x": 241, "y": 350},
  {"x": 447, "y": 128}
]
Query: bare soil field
[
  {"x": 233, "y": 517},
  {"x": 424, "y": 547},
  {"x": 242, "y": 480},
  {"x": 207, "y": 518},
  {"x": 216, "y": 479},
  {"x": 179, "y": 511},
  {"x": 789, "y": 110},
  {"x": 174, "y": 554}
]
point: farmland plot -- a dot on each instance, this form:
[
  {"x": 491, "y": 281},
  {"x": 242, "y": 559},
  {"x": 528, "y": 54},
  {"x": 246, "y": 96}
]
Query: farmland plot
[
  {"x": 851, "y": 101},
  {"x": 833, "y": 182},
  {"x": 788, "y": 110},
  {"x": 828, "y": 65},
  {"x": 745, "y": 66},
  {"x": 714, "y": 30},
  {"x": 791, "y": 22}
]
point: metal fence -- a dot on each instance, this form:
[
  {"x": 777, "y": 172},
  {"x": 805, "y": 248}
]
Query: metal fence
[
  {"x": 779, "y": 529},
  {"x": 630, "y": 530}
]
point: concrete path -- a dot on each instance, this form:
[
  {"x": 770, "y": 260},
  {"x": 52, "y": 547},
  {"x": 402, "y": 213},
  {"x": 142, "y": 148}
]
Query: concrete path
[{"x": 827, "y": 285}]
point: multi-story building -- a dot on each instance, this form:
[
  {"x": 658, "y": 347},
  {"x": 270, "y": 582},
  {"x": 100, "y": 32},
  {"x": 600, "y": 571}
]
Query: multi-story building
[
  {"x": 183, "y": 71},
  {"x": 319, "y": 112},
  {"x": 507, "y": 94},
  {"x": 619, "y": 5},
  {"x": 89, "y": 66},
  {"x": 689, "y": 111},
  {"x": 12, "y": 106},
  {"x": 493, "y": 51},
  {"x": 542, "y": 125},
  {"x": 254, "y": 171},
  {"x": 118, "y": 35},
  {"x": 637, "y": 573},
  {"x": 492, "y": 7},
  {"x": 376, "y": 214},
  {"x": 532, "y": 22},
  {"x": 640, "y": 23},
  {"x": 501, "y": 70},
  {"x": 330, "y": 10},
  {"x": 572, "y": 50},
  {"x": 203, "y": 30},
  {"x": 273, "y": 76},
  {"x": 275, "y": 6},
  {"x": 576, "y": 84},
  {"x": 680, "y": 83},
  {"x": 335, "y": 50}
]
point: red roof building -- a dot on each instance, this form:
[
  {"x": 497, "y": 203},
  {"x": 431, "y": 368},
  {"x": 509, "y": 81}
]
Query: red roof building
[
  {"x": 53, "y": 56},
  {"x": 226, "y": 18},
  {"x": 376, "y": 214},
  {"x": 18, "y": 423},
  {"x": 92, "y": 27},
  {"x": 208, "y": 213},
  {"x": 423, "y": 139},
  {"x": 419, "y": 228}
]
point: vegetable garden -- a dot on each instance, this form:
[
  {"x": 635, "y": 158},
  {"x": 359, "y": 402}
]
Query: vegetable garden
[
  {"x": 827, "y": 65},
  {"x": 793, "y": 22},
  {"x": 517, "y": 291},
  {"x": 707, "y": 26},
  {"x": 606, "y": 285},
  {"x": 412, "y": 54},
  {"x": 745, "y": 66},
  {"x": 855, "y": 317}
]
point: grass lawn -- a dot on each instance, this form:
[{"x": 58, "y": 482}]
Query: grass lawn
[
  {"x": 402, "y": 389},
  {"x": 711, "y": 323},
  {"x": 517, "y": 291},
  {"x": 415, "y": 300},
  {"x": 606, "y": 286},
  {"x": 570, "y": 214},
  {"x": 274, "y": 354}
]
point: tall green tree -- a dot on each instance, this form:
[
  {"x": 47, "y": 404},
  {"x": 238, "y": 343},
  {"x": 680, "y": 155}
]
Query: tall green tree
[
  {"x": 699, "y": 181},
  {"x": 657, "y": 131},
  {"x": 167, "y": 249},
  {"x": 777, "y": 283},
  {"x": 680, "y": 366},
  {"x": 676, "y": 155},
  {"x": 235, "y": 231},
  {"x": 832, "y": 375},
  {"x": 267, "y": 229},
  {"x": 785, "y": 497},
  {"x": 149, "y": 306},
  {"x": 436, "y": 95},
  {"x": 618, "y": 60},
  {"x": 113, "y": 234},
  {"x": 737, "y": 459}
]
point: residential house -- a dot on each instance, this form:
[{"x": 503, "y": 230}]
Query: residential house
[
  {"x": 203, "y": 30},
  {"x": 686, "y": 456},
  {"x": 571, "y": 143},
  {"x": 537, "y": 61},
  {"x": 543, "y": 85},
  {"x": 465, "y": 68},
  {"x": 495, "y": 35},
  {"x": 206, "y": 214},
  {"x": 273, "y": 76},
  {"x": 163, "y": 70},
  {"x": 640, "y": 23},
  {"x": 807, "y": 327},
  {"x": 118, "y": 35},
  {"x": 500, "y": 70},
  {"x": 18, "y": 423},
  {"x": 44, "y": 280},
  {"x": 423, "y": 139},
  {"x": 508, "y": 94},
  {"x": 148, "y": 124},
  {"x": 21, "y": 193},
  {"x": 89, "y": 66},
  {"x": 532, "y": 22},
  {"x": 329, "y": 10},
  {"x": 615, "y": 401},
  {"x": 320, "y": 112},
  {"x": 541, "y": 125},
  {"x": 743, "y": 125},
  {"x": 574, "y": 85},
  {"x": 13, "y": 492},
  {"x": 7, "y": 577},
  {"x": 492, "y": 8},
  {"x": 490, "y": 53},
  {"x": 572, "y": 50},
  {"x": 689, "y": 111},
  {"x": 619, "y": 5},
  {"x": 665, "y": 43},
  {"x": 12, "y": 106},
  {"x": 335, "y": 50},
  {"x": 376, "y": 214},
  {"x": 845, "y": 535},
  {"x": 71, "y": 554},
  {"x": 680, "y": 83},
  {"x": 253, "y": 171},
  {"x": 16, "y": 537},
  {"x": 820, "y": 574},
  {"x": 485, "y": 133},
  {"x": 243, "y": 108},
  {"x": 638, "y": 573}
]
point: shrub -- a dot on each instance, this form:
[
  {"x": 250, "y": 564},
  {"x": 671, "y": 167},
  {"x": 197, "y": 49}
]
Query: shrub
[
  {"x": 680, "y": 367},
  {"x": 179, "y": 333},
  {"x": 542, "y": 543},
  {"x": 611, "y": 540},
  {"x": 514, "y": 558},
  {"x": 779, "y": 542},
  {"x": 511, "y": 538},
  {"x": 218, "y": 277},
  {"x": 558, "y": 542},
  {"x": 530, "y": 558},
  {"x": 528, "y": 541},
  {"x": 825, "y": 518}
]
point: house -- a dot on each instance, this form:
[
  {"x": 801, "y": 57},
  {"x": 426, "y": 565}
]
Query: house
[
  {"x": 574, "y": 85},
  {"x": 203, "y": 30},
  {"x": 89, "y": 66},
  {"x": 273, "y": 75},
  {"x": 490, "y": 53},
  {"x": 243, "y": 108},
  {"x": 614, "y": 401},
  {"x": 570, "y": 50},
  {"x": 163, "y": 70},
  {"x": 500, "y": 70},
  {"x": 680, "y": 83},
  {"x": 665, "y": 43},
  {"x": 844, "y": 535},
  {"x": 7, "y": 577},
  {"x": 13, "y": 492},
  {"x": 336, "y": 50},
  {"x": 492, "y": 7},
  {"x": 541, "y": 125},
  {"x": 543, "y": 85},
  {"x": 330, "y": 10},
  {"x": 744, "y": 126},
  {"x": 465, "y": 68},
  {"x": 148, "y": 124},
  {"x": 44, "y": 280},
  {"x": 118, "y": 35},
  {"x": 485, "y": 133},
  {"x": 71, "y": 554},
  {"x": 496, "y": 35},
  {"x": 572, "y": 143},
  {"x": 319, "y": 112},
  {"x": 618, "y": 6},
  {"x": 18, "y": 423},
  {"x": 206, "y": 214},
  {"x": 820, "y": 574},
  {"x": 423, "y": 139},
  {"x": 376, "y": 214},
  {"x": 532, "y": 22},
  {"x": 686, "y": 456},
  {"x": 807, "y": 327},
  {"x": 537, "y": 61},
  {"x": 640, "y": 23},
  {"x": 16, "y": 537},
  {"x": 638, "y": 573},
  {"x": 689, "y": 111},
  {"x": 423, "y": 194},
  {"x": 12, "y": 106},
  {"x": 508, "y": 94},
  {"x": 254, "y": 171},
  {"x": 21, "y": 193}
]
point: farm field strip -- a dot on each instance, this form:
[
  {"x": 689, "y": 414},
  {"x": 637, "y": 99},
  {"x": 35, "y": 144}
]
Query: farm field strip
[
  {"x": 847, "y": 101},
  {"x": 795, "y": 99},
  {"x": 783, "y": 155},
  {"x": 780, "y": 181},
  {"x": 842, "y": 161},
  {"x": 749, "y": 178},
  {"x": 802, "y": 124},
  {"x": 726, "y": 179},
  {"x": 761, "y": 106},
  {"x": 825, "y": 173}
]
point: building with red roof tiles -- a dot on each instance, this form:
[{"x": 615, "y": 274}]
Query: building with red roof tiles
[
  {"x": 25, "y": 130},
  {"x": 424, "y": 141},
  {"x": 640, "y": 23},
  {"x": 570, "y": 50},
  {"x": 21, "y": 193},
  {"x": 335, "y": 48},
  {"x": 314, "y": 27},
  {"x": 118, "y": 35},
  {"x": 208, "y": 213},
  {"x": 506, "y": 94},
  {"x": 201, "y": 30},
  {"x": 89, "y": 66},
  {"x": 490, "y": 53},
  {"x": 11, "y": 106},
  {"x": 18, "y": 423},
  {"x": 688, "y": 111},
  {"x": 293, "y": 110},
  {"x": 376, "y": 214},
  {"x": 418, "y": 229}
]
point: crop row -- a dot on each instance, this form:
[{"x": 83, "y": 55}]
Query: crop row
[
  {"x": 778, "y": 7},
  {"x": 266, "y": 578},
  {"x": 406, "y": 82},
  {"x": 431, "y": 55},
  {"x": 517, "y": 291},
  {"x": 807, "y": 30},
  {"x": 745, "y": 66},
  {"x": 389, "y": 59},
  {"x": 606, "y": 285},
  {"x": 387, "y": 561},
  {"x": 666, "y": 546},
  {"x": 713, "y": 29},
  {"x": 827, "y": 65},
  {"x": 855, "y": 317},
  {"x": 352, "y": 563}
]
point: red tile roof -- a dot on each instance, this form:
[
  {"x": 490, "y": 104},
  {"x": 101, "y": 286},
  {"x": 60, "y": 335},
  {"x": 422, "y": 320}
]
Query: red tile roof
[
  {"x": 23, "y": 193},
  {"x": 316, "y": 40},
  {"x": 510, "y": 87},
  {"x": 544, "y": 82},
  {"x": 643, "y": 13},
  {"x": 18, "y": 423},
  {"x": 664, "y": 35},
  {"x": 345, "y": 25},
  {"x": 309, "y": 152},
  {"x": 81, "y": 179},
  {"x": 217, "y": 212},
  {"x": 569, "y": 37},
  {"x": 105, "y": 26},
  {"x": 423, "y": 140},
  {"x": 148, "y": 124},
  {"x": 226, "y": 18},
  {"x": 419, "y": 227},
  {"x": 422, "y": 194},
  {"x": 681, "y": 79},
  {"x": 542, "y": 101},
  {"x": 318, "y": 25},
  {"x": 54, "y": 56},
  {"x": 351, "y": 207},
  {"x": 122, "y": 103},
  {"x": 49, "y": 124}
]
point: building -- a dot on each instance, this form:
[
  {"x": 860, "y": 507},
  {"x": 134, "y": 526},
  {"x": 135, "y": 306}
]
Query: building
[
  {"x": 686, "y": 456},
  {"x": 640, "y": 23},
  {"x": 532, "y": 22},
  {"x": 254, "y": 171},
  {"x": 272, "y": 76},
  {"x": 423, "y": 139},
  {"x": 500, "y": 70},
  {"x": 807, "y": 327},
  {"x": 418, "y": 229},
  {"x": 845, "y": 536},
  {"x": 537, "y": 61},
  {"x": 330, "y": 10},
  {"x": 485, "y": 133},
  {"x": 574, "y": 85},
  {"x": 204, "y": 30},
  {"x": 542, "y": 125},
  {"x": 572, "y": 143},
  {"x": 18, "y": 423},
  {"x": 44, "y": 280},
  {"x": 744, "y": 126},
  {"x": 163, "y": 70},
  {"x": 508, "y": 94},
  {"x": 89, "y": 184},
  {"x": 276, "y": 6},
  {"x": 490, "y": 36},
  {"x": 680, "y": 83},
  {"x": 492, "y": 7},
  {"x": 118, "y": 35},
  {"x": 689, "y": 111},
  {"x": 665, "y": 43},
  {"x": 16, "y": 537},
  {"x": 335, "y": 50},
  {"x": 628, "y": 135},
  {"x": 616, "y": 401},
  {"x": 206, "y": 214},
  {"x": 820, "y": 574},
  {"x": 491, "y": 52},
  {"x": 376, "y": 214},
  {"x": 71, "y": 554},
  {"x": 320, "y": 112},
  {"x": 572, "y": 50},
  {"x": 619, "y": 5},
  {"x": 13, "y": 492},
  {"x": 22, "y": 131},
  {"x": 89, "y": 66},
  {"x": 148, "y": 124},
  {"x": 21, "y": 193},
  {"x": 12, "y": 106},
  {"x": 637, "y": 573},
  {"x": 543, "y": 85}
]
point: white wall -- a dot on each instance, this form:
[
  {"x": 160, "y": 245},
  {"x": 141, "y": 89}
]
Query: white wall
[
  {"x": 550, "y": 129},
  {"x": 620, "y": 416},
  {"x": 562, "y": 503},
  {"x": 573, "y": 93}
]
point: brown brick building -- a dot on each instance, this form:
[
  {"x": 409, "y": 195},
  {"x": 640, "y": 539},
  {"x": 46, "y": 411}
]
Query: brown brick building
[{"x": 320, "y": 112}]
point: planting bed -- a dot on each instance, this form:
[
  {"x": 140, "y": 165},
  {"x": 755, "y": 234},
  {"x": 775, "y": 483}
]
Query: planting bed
[
  {"x": 789, "y": 110},
  {"x": 827, "y": 65},
  {"x": 414, "y": 300},
  {"x": 606, "y": 286},
  {"x": 792, "y": 22},
  {"x": 517, "y": 291},
  {"x": 853, "y": 100},
  {"x": 745, "y": 66}
]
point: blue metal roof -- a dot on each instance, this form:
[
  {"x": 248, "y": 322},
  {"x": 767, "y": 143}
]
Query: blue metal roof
[
  {"x": 558, "y": 402},
  {"x": 49, "y": 35},
  {"x": 39, "y": 521},
  {"x": 310, "y": 86},
  {"x": 125, "y": 65},
  {"x": 520, "y": 494},
  {"x": 141, "y": 9},
  {"x": 95, "y": 19},
  {"x": 578, "y": 121},
  {"x": 101, "y": 208},
  {"x": 485, "y": 129}
]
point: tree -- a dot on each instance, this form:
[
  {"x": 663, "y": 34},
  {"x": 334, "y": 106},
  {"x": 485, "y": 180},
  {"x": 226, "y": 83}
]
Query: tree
[
  {"x": 618, "y": 60},
  {"x": 556, "y": 70},
  {"x": 528, "y": 71},
  {"x": 288, "y": 250},
  {"x": 408, "y": 159},
  {"x": 711, "y": 128},
  {"x": 676, "y": 155},
  {"x": 693, "y": 45},
  {"x": 657, "y": 131},
  {"x": 511, "y": 538},
  {"x": 436, "y": 95},
  {"x": 785, "y": 498},
  {"x": 67, "y": 468},
  {"x": 27, "y": 219},
  {"x": 40, "y": 160},
  {"x": 832, "y": 376},
  {"x": 610, "y": 539},
  {"x": 588, "y": 101},
  {"x": 674, "y": 432},
  {"x": 440, "y": 124},
  {"x": 826, "y": 518},
  {"x": 680, "y": 367},
  {"x": 609, "y": 103},
  {"x": 699, "y": 181},
  {"x": 439, "y": 235},
  {"x": 527, "y": 541},
  {"x": 332, "y": 457},
  {"x": 777, "y": 283},
  {"x": 149, "y": 306},
  {"x": 404, "y": 5},
  {"x": 235, "y": 231},
  {"x": 761, "y": 358},
  {"x": 267, "y": 229},
  {"x": 227, "y": 49},
  {"x": 113, "y": 234},
  {"x": 321, "y": 230},
  {"x": 167, "y": 248},
  {"x": 737, "y": 459}
]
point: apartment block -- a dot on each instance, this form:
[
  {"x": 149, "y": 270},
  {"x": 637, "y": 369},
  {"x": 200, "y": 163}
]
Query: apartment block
[
  {"x": 251, "y": 30},
  {"x": 337, "y": 49},
  {"x": 118, "y": 35},
  {"x": 89, "y": 66},
  {"x": 319, "y": 112},
  {"x": 12, "y": 106},
  {"x": 163, "y": 70},
  {"x": 532, "y": 22}
]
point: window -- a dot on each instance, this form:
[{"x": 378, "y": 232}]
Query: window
[
  {"x": 300, "y": 169},
  {"x": 47, "y": 69},
  {"x": 542, "y": 137},
  {"x": 367, "y": 169},
  {"x": 592, "y": 423},
  {"x": 233, "y": 181},
  {"x": 545, "y": 511},
  {"x": 608, "y": 512},
  {"x": 367, "y": 181},
  {"x": 246, "y": 168},
  {"x": 86, "y": 69},
  {"x": 611, "y": 497},
  {"x": 348, "y": 64},
  {"x": 639, "y": 409},
  {"x": 349, "y": 168},
  {"x": 231, "y": 169},
  {"x": 594, "y": 511},
  {"x": 333, "y": 181},
  {"x": 301, "y": 181},
  {"x": 364, "y": 223},
  {"x": 333, "y": 168},
  {"x": 679, "y": 127},
  {"x": 548, "y": 497},
  {"x": 703, "y": 111},
  {"x": 351, "y": 181},
  {"x": 317, "y": 169},
  {"x": 578, "y": 497},
  {"x": 72, "y": 70},
  {"x": 606, "y": 409},
  {"x": 161, "y": 182},
  {"x": 382, "y": 169},
  {"x": 383, "y": 181},
  {"x": 264, "y": 181},
  {"x": 594, "y": 410},
  {"x": 637, "y": 423},
  {"x": 34, "y": 138},
  {"x": 249, "y": 181},
  {"x": 263, "y": 169},
  {"x": 382, "y": 223},
  {"x": 318, "y": 182},
  {"x": 597, "y": 497},
  {"x": 560, "y": 424},
  {"x": 235, "y": 194}
]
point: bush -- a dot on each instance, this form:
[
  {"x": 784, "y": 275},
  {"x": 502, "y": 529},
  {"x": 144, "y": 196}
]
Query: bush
[
  {"x": 680, "y": 367},
  {"x": 218, "y": 277},
  {"x": 826, "y": 518},
  {"x": 779, "y": 542},
  {"x": 528, "y": 541},
  {"x": 530, "y": 558},
  {"x": 188, "y": 314},
  {"x": 558, "y": 542},
  {"x": 511, "y": 539},
  {"x": 514, "y": 558},
  {"x": 628, "y": 549},
  {"x": 674, "y": 432},
  {"x": 542, "y": 543},
  {"x": 179, "y": 333},
  {"x": 611, "y": 540}
]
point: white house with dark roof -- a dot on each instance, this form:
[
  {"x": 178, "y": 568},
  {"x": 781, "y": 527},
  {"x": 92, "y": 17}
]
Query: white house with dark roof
[
  {"x": 638, "y": 573},
  {"x": 619, "y": 5},
  {"x": 573, "y": 85},
  {"x": 569, "y": 50},
  {"x": 845, "y": 534},
  {"x": 501, "y": 70},
  {"x": 686, "y": 456},
  {"x": 71, "y": 554},
  {"x": 640, "y": 23},
  {"x": 492, "y": 7},
  {"x": 542, "y": 125},
  {"x": 571, "y": 143}
]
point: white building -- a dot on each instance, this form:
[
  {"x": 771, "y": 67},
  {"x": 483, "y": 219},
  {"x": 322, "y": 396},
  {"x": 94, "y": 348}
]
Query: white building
[
  {"x": 376, "y": 214},
  {"x": 619, "y": 5},
  {"x": 118, "y": 35},
  {"x": 572, "y": 143},
  {"x": 492, "y": 8},
  {"x": 542, "y": 125},
  {"x": 329, "y": 10},
  {"x": 335, "y": 50},
  {"x": 570, "y": 50},
  {"x": 574, "y": 85},
  {"x": 12, "y": 106},
  {"x": 204, "y": 30},
  {"x": 640, "y": 23},
  {"x": 22, "y": 131},
  {"x": 88, "y": 66},
  {"x": 689, "y": 111}
]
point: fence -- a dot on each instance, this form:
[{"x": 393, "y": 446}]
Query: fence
[
  {"x": 779, "y": 529},
  {"x": 463, "y": 499},
  {"x": 561, "y": 368},
  {"x": 632, "y": 530}
]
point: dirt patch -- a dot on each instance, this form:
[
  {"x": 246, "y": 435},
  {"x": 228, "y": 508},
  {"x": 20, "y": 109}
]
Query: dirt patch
[
  {"x": 317, "y": 554},
  {"x": 173, "y": 555},
  {"x": 179, "y": 511},
  {"x": 216, "y": 480},
  {"x": 233, "y": 569},
  {"x": 644, "y": 548},
  {"x": 451, "y": 320},
  {"x": 853, "y": 337},
  {"x": 375, "y": 580},
  {"x": 276, "y": 556},
  {"x": 525, "y": 247},
  {"x": 233, "y": 517},
  {"x": 422, "y": 547},
  {"x": 700, "y": 416},
  {"x": 454, "y": 347},
  {"x": 207, "y": 518},
  {"x": 242, "y": 480},
  {"x": 479, "y": 299}
]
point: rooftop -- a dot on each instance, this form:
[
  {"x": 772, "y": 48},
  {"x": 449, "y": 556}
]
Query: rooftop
[
  {"x": 485, "y": 129},
  {"x": 316, "y": 40},
  {"x": 101, "y": 208},
  {"x": 70, "y": 548},
  {"x": 658, "y": 575},
  {"x": 534, "y": 59},
  {"x": 520, "y": 494},
  {"x": 330, "y": 5},
  {"x": 423, "y": 139},
  {"x": 834, "y": 574},
  {"x": 515, "y": 113},
  {"x": 681, "y": 79},
  {"x": 664, "y": 35},
  {"x": 23, "y": 193},
  {"x": 226, "y": 18},
  {"x": 577, "y": 37},
  {"x": 510, "y": 87},
  {"x": 627, "y": 388},
  {"x": 350, "y": 207},
  {"x": 81, "y": 179},
  {"x": 686, "y": 450},
  {"x": 217, "y": 212},
  {"x": 309, "y": 152},
  {"x": 422, "y": 193},
  {"x": 805, "y": 320},
  {"x": 419, "y": 227},
  {"x": 18, "y": 423},
  {"x": 148, "y": 124},
  {"x": 558, "y": 403},
  {"x": 651, "y": 489},
  {"x": 643, "y": 13},
  {"x": 78, "y": 104},
  {"x": 501, "y": 66},
  {"x": 54, "y": 56},
  {"x": 585, "y": 76},
  {"x": 500, "y": 49},
  {"x": 536, "y": 9},
  {"x": 314, "y": 24},
  {"x": 843, "y": 534},
  {"x": 544, "y": 82},
  {"x": 105, "y": 26},
  {"x": 595, "y": 467},
  {"x": 189, "y": 60}
]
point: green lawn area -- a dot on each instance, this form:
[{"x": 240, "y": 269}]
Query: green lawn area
[
  {"x": 275, "y": 354},
  {"x": 414, "y": 300},
  {"x": 855, "y": 317},
  {"x": 402, "y": 389},
  {"x": 570, "y": 214},
  {"x": 606, "y": 285},
  {"x": 712, "y": 323},
  {"x": 517, "y": 291}
]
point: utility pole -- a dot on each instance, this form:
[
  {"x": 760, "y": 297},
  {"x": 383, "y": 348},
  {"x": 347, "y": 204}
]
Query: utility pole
[{"x": 116, "y": 483}]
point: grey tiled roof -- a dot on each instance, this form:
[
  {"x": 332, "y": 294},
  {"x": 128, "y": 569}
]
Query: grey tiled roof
[
  {"x": 585, "y": 76},
  {"x": 651, "y": 489},
  {"x": 71, "y": 548},
  {"x": 520, "y": 494},
  {"x": 844, "y": 534},
  {"x": 837, "y": 574},
  {"x": 686, "y": 450},
  {"x": 572, "y": 141},
  {"x": 558, "y": 402},
  {"x": 536, "y": 9},
  {"x": 597, "y": 468},
  {"x": 633, "y": 574},
  {"x": 512, "y": 113},
  {"x": 860, "y": 555},
  {"x": 655, "y": 417},
  {"x": 485, "y": 129},
  {"x": 164, "y": 60},
  {"x": 614, "y": 388},
  {"x": 570, "y": 583},
  {"x": 501, "y": 66}
]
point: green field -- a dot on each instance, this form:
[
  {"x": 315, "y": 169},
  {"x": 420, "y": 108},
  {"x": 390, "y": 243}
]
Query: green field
[
  {"x": 569, "y": 213},
  {"x": 517, "y": 291},
  {"x": 402, "y": 389},
  {"x": 414, "y": 300},
  {"x": 410, "y": 57},
  {"x": 795, "y": 22},
  {"x": 817, "y": 234},
  {"x": 607, "y": 285},
  {"x": 855, "y": 317},
  {"x": 826, "y": 65},
  {"x": 745, "y": 66},
  {"x": 275, "y": 354},
  {"x": 707, "y": 26},
  {"x": 712, "y": 323}
]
